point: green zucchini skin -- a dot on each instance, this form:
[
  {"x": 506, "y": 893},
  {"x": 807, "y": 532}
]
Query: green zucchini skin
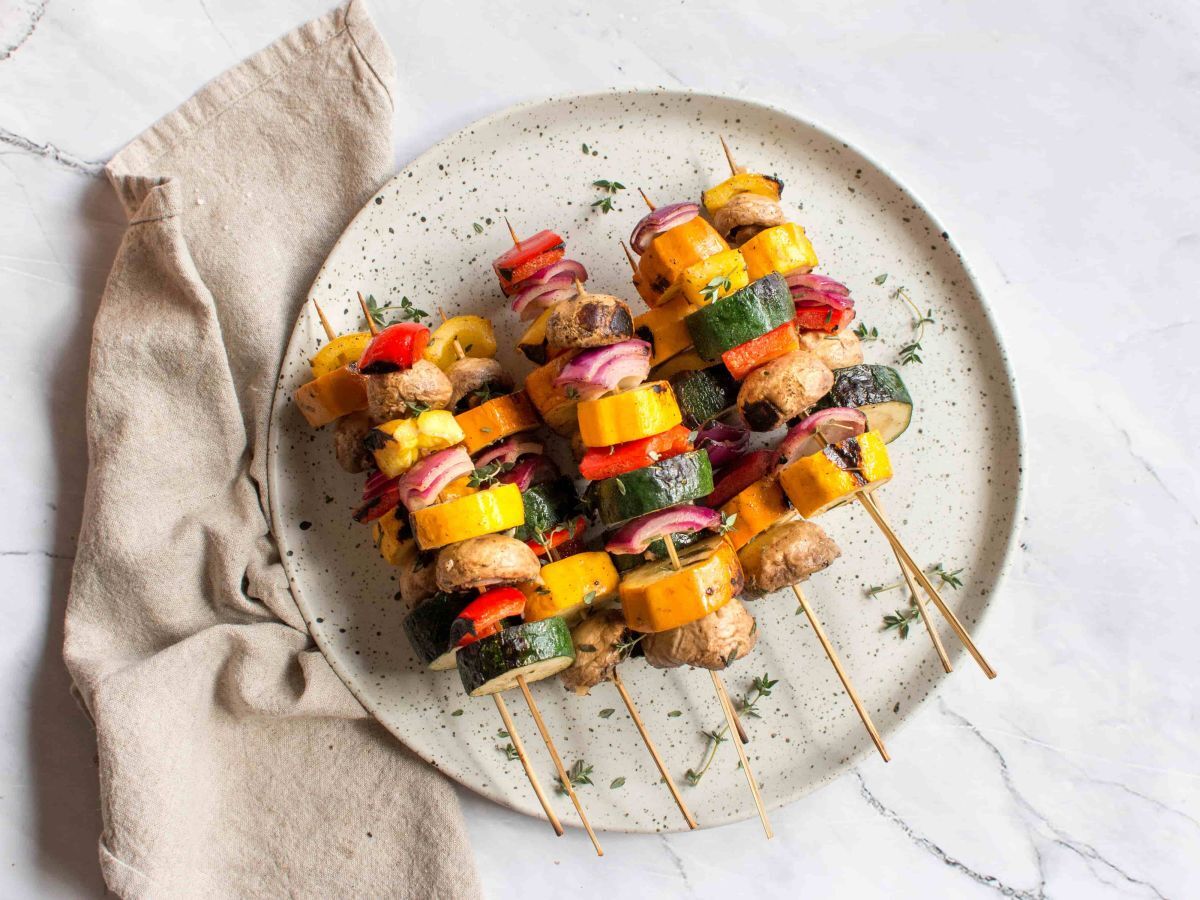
[
  {"x": 547, "y": 505},
  {"x": 668, "y": 482},
  {"x": 704, "y": 394},
  {"x": 533, "y": 649},
  {"x": 759, "y": 307},
  {"x": 624, "y": 562},
  {"x": 878, "y": 392},
  {"x": 428, "y": 625}
]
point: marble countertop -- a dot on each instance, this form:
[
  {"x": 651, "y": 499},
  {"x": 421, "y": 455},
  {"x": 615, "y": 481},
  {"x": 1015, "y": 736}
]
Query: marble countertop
[{"x": 1059, "y": 142}]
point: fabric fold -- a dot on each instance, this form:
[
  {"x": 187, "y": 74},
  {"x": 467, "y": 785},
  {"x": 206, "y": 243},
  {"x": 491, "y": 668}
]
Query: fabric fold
[{"x": 233, "y": 762}]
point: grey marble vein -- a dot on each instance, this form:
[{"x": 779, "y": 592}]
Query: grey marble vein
[
  {"x": 1060, "y": 837},
  {"x": 35, "y": 16},
  {"x": 50, "y": 152}
]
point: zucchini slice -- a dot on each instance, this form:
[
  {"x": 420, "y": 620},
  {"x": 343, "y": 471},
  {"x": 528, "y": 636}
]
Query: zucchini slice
[
  {"x": 669, "y": 482},
  {"x": 535, "y": 650},
  {"x": 657, "y": 550},
  {"x": 877, "y": 392},
  {"x": 547, "y": 505},
  {"x": 704, "y": 395},
  {"x": 759, "y": 307},
  {"x": 428, "y": 628}
]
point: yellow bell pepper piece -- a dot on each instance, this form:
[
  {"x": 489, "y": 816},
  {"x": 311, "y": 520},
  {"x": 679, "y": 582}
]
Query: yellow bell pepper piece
[
  {"x": 657, "y": 597},
  {"x": 663, "y": 328},
  {"x": 742, "y": 183},
  {"x": 331, "y": 396},
  {"x": 398, "y": 449},
  {"x": 756, "y": 509},
  {"x": 341, "y": 351},
  {"x": 726, "y": 269},
  {"x": 639, "y": 412},
  {"x": 459, "y": 487},
  {"x": 783, "y": 249},
  {"x": 495, "y": 420},
  {"x": 572, "y": 586},
  {"x": 672, "y": 252},
  {"x": 556, "y": 407},
  {"x": 474, "y": 334},
  {"x": 816, "y": 483},
  {"x": 437, "y": 430},
  {"x": 485, "y": 512},
  {"x": 387, "y": 531}
]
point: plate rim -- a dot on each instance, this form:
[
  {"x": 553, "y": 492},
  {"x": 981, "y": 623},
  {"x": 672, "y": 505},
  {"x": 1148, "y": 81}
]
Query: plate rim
[{"x": 866, "y": 749}]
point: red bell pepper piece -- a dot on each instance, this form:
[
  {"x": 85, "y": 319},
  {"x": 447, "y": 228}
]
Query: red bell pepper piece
[
  {"x": 396, "y": 347},
  {"x": 380, "y": 497},
  {"x": 739, "y": 476},
  {"x": 485, "y": 615},
  {"x": 605, "y": 462},
  {"x": 745, "y": 358},
  {"x": 826, "y": 319},
  {"x": 559, "y": 536},
  {"x": 526, "y": 257}
]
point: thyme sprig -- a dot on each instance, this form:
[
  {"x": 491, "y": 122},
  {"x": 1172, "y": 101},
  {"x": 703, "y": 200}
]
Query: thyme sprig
[
  {"x": 947, "y": 578},
  {"x": 611, "y": 189},
  {"x": 578, "y": 775},
  {"x": 746, "y": 706},
  {"x": 901, "y": 619},
  {"x": 722, "y": 284},
  {"x": 485, "y": 476},
  {"x": 404, "y": 311},
  {"x": 865, "y": 334},
  {"x": 911, "y": 352}
]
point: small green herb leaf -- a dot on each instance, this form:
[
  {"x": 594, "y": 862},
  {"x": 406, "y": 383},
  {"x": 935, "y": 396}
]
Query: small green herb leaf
[{"x": 605, "y": 713}]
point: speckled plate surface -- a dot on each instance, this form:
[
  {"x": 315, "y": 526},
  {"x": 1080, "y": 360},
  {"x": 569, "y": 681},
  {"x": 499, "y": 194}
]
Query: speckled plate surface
[{"x": 430, "y": 233}]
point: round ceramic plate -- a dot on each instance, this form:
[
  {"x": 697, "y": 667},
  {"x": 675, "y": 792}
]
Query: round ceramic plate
[{"x": 430, "y": 235}]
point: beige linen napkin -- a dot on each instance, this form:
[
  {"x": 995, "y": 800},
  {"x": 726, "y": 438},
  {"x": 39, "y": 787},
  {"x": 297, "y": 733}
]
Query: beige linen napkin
[{"x": 232, "y": 760}]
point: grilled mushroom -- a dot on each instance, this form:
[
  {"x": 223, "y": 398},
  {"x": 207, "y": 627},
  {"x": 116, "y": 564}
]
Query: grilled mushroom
[
  {"x": 599, "y": 648},
  {"x": 352, "y": 454},
  {"x": 746, "y": 215},
  {"x": 713, "y": 642},
  {"x": 590, "y": 320},
  {"x": 787, "y": 554},
  {"x": 418, "y": 574},
  {"x": 470, "y": 375},
  {"x": 389, "y": 394},
  {"x": 783, "y": 389},
  {"x": 485, "y": 561}
]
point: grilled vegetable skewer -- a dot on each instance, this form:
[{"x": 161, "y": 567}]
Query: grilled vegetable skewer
[
  {"x": 581, "y": 322},
  {"x": 547, "y": 738}
]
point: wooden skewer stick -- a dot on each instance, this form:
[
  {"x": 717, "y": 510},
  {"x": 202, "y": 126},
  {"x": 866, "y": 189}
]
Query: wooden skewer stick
[
  {"x": 647, "y": 199},
  {"x": 516, "y": 240},
  {"x": 330, "y": 334},
  {"x": 869, "y": 505},
  {"x": 629, "y": 256},
  {"x": 371, "y": 326},
  {"x": 658, "y": 761},
  {"x": 740, "y": 729},
  {"x": 730, "y": 720},
  {"x": 841, "y": 673},
  {"x": 558, "y": 763},
  {"x": 734, "y": 168},
  {"x": 920, "y": 601},
  {"x": 743, "y": 736},
  {"x": 529, "y": 773}
]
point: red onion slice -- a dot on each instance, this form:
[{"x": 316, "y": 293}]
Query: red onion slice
[
  {"x": 834, "y": 424},
  {"x": 634, "y": 537},
  {"x": 508, "y": 451},
  {"x": 810, "y": 291},
  {"x": 603, "y": 369},
  {"x": 659, "y": 220},
  {"x": 724, "y": 443},
  {"x": 528, "y": 472},
  {"x": 547, "y": 286},
  {"x": 420, "y": 485}
]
